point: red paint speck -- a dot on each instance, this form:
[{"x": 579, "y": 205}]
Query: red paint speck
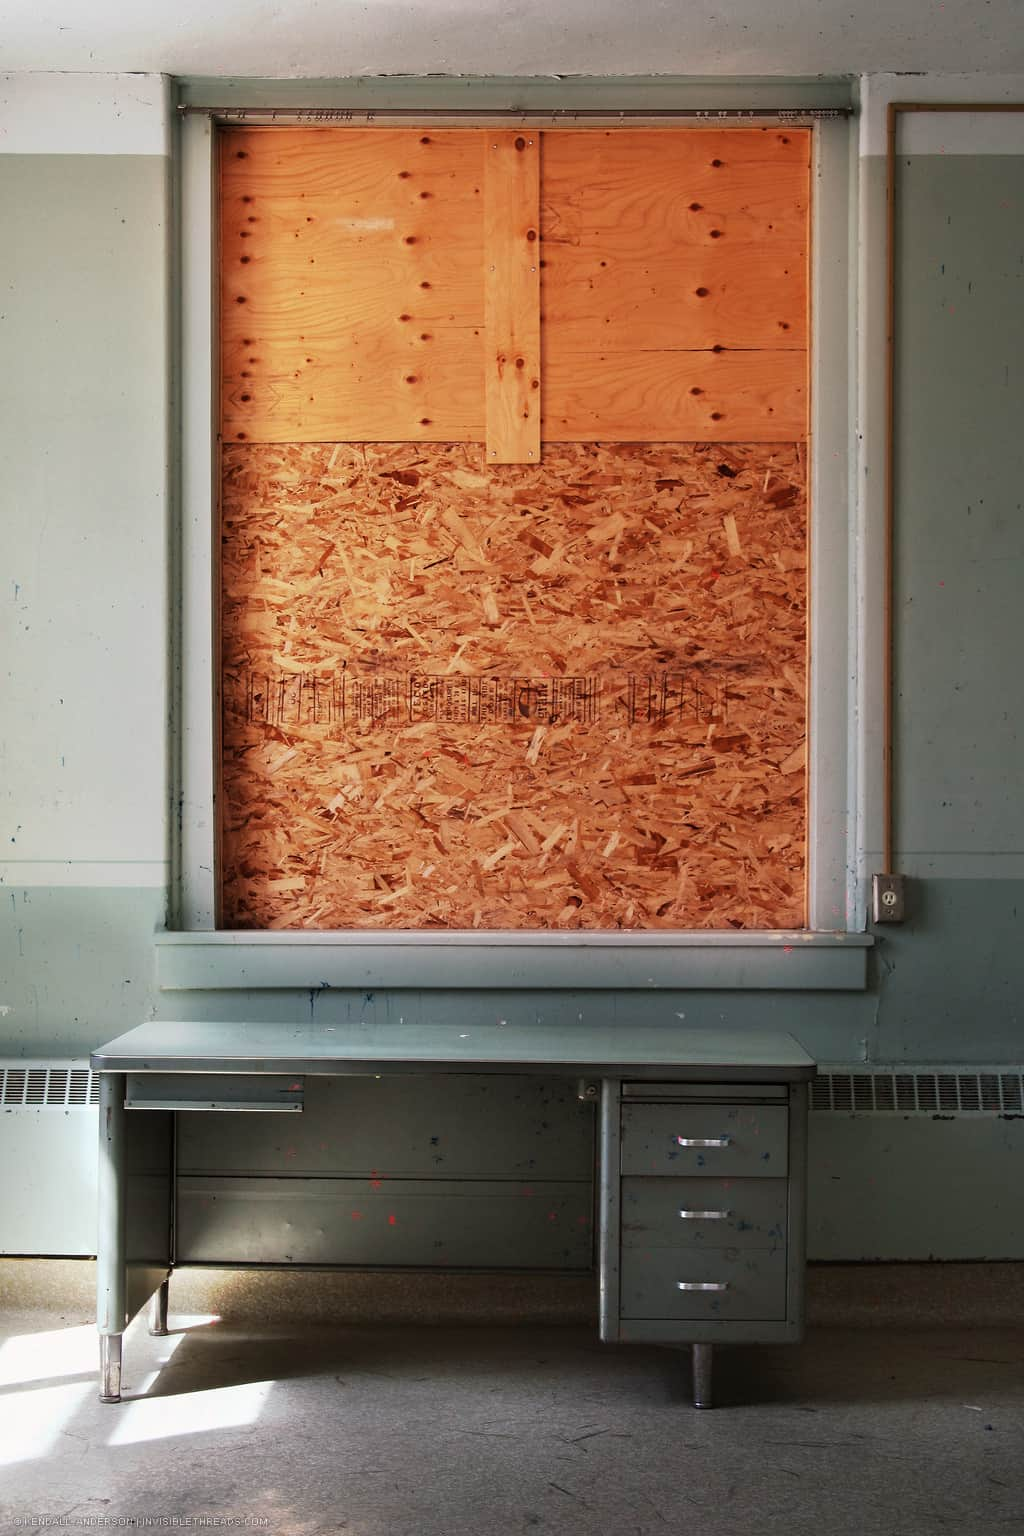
[
  {"x": 357, "y": 1215},
  {"x": 392, "y": 1221},
  {"x": 552, "y": 1215},
  {"x": 787, "y": 949}
]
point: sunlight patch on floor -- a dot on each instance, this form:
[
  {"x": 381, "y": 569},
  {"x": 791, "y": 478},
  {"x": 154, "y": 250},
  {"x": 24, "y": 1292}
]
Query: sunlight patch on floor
[
  {"x": 57, "y": 1353},
  {"x": 190, "y": 1413},
  {"x": 31, "y": 1422}
]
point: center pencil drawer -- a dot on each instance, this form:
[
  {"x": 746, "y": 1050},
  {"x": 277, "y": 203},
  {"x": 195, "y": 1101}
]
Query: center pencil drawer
[{"x": 705, "y": 1140}]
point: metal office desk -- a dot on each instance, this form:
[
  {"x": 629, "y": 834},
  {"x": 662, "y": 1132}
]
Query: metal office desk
[{"x": 701, "y": 1158}]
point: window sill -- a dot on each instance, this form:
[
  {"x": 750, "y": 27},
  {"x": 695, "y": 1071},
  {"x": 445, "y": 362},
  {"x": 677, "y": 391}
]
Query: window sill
[{"x": 231, "y": 960}]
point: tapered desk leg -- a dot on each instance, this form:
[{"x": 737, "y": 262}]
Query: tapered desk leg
[
  {"x": 110, "y": 1367},
  {"x": 111, "y": 1259},
  {"x": 158, "y": 1311},
  {"x": 702, "y": 1375}
]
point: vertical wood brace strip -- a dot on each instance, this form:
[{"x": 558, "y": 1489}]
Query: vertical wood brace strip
[{"x": 512, "y": 296}]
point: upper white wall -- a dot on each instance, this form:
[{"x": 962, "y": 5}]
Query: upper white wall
[
  {"x": 93, "y": 114},
  {"x": 511, "y": 37}
]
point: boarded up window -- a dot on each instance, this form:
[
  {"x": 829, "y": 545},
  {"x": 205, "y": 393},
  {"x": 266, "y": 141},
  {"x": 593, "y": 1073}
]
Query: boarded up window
[{"x": 514, "y": 522}]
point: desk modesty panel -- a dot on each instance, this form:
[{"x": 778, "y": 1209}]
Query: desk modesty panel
[{"x": 701, "y": 1158}]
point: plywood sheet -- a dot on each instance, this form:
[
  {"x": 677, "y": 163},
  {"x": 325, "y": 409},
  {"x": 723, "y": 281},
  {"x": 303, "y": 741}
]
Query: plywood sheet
[
  {"x": 672, "y": 264},
  {"x": 512, "y": 296},
  {"x": 460, "y": 695},
  {"x": 636, "y": 223},
  {"x": 351, "y": 288},
  {"x": 675, "y": 284},
  {"x": 747, "y": 397}
]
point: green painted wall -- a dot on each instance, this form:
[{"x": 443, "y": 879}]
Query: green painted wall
[
  {"x": 84, "y": 452},
  {"x": 960, "y": 500}
]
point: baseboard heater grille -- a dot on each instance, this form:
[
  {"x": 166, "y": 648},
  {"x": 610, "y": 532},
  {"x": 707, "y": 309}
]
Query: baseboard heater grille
[
  {"x": 41, "y": 1085},
  {"x": 843, "y": 1090},
  {"x": 930, "y": 1091}
]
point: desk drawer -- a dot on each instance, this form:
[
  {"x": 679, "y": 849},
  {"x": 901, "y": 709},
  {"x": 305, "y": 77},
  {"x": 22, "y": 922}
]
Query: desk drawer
[
  {"x": 748, "y": 1140},
  {"x": 704, "y": 1213},
  {"x": 752, "y": 1281}
]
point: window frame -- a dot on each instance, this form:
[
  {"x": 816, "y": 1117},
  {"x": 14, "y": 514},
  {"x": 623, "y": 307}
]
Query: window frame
[{"x": 829, "y": 951}]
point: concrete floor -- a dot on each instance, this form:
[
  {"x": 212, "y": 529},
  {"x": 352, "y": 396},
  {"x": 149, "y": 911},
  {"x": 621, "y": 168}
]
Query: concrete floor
[{"x": 398, "y": 1430}]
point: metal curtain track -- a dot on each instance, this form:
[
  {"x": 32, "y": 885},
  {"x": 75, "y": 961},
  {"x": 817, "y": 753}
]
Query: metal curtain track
[{"x": 259, "y": 115}]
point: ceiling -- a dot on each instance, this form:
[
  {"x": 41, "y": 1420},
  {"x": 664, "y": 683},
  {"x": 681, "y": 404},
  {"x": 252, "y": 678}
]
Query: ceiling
[{"x": 512, "y": 37}]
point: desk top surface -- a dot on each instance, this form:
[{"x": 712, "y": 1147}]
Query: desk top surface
[{"x": 642, "y": 1050}]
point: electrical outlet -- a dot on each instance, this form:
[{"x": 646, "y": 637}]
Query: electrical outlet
[{"x": 887, "y": 899}]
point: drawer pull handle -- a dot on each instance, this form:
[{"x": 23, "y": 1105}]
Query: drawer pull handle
[
  {"x": 705, "y": 1215},
  {"x": 703, "y": 1285},
  {"x": 704, "y": 1141}
]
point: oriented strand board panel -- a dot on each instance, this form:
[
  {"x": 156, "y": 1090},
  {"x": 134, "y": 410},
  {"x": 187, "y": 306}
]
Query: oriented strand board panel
[
  {"x": 352, "y": 299},
  {"x": 561, "y": 696},
  {"x": 675, "y": 284}
]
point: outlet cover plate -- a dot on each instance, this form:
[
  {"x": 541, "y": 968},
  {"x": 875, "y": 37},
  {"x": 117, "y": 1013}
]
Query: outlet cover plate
[{"x": 888, "y": 898}]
